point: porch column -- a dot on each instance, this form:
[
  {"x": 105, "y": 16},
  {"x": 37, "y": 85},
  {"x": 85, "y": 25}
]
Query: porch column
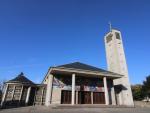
[
  {"x": 42, "y": 95},
  {"x": 92, "y": 97},
  {"x": 76, "y": 97},
  {"x": 13, "y": 92},
  {"x": 28, "y": 95},
  {"x": 106, "y": 91},
  {"x": 73, "y": 90},
  {"x": 4, "y": 95},
  {"x": 113, "y": 96},
  {"x": 49, "y": 90},
  {"x": 21, "y": 93}
]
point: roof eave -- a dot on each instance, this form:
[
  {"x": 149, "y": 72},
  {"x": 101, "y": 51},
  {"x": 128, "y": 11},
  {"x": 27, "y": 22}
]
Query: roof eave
[
  {"x": 73, "y": 70},
  {"x": 49, "y": 70}
]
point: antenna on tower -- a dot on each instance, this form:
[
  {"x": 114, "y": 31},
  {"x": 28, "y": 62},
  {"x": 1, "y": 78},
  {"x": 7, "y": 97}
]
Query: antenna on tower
[{"x": 110, "y": 26}]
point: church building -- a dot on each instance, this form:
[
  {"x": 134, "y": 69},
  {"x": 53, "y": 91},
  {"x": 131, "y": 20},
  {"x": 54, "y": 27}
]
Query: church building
[{"x": 76, "y": 83}]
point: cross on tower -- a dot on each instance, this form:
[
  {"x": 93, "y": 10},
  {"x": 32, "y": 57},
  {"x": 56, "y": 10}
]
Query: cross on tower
[{"x": 110, "y": 26}]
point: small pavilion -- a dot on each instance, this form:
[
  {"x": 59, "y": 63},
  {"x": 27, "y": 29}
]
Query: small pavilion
[{"x": 21, "y": 91}]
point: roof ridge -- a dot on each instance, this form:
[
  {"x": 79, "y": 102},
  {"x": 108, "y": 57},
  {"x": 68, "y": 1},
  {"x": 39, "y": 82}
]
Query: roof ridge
[{"x": 68, "y": 63}]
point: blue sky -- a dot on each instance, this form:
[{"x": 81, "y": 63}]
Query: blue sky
[{"x": 37, "y": 34}]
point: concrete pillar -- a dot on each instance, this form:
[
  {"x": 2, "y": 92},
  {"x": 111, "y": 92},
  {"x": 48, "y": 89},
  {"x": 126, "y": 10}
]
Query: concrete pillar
[
  {"x": 4, "y": 94},
  {"x": 73, "y": 90},
  {"x": 21, "y": 93},
  {"x": 42, "y": 95},
  {"x": 13, "y": 92},
  {"x": 106, "y": 91},
  {"x": 76, "y": 97},
  {"x": 49, "y": 90},
  {"x": 113, "y": 96},
  {"x": 28, "y": 95},
  {"x": 91, "y": 97}
]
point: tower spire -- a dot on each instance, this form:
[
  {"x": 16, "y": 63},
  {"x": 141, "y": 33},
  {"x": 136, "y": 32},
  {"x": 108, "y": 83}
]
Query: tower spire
[{"x": 110, "y": 26}]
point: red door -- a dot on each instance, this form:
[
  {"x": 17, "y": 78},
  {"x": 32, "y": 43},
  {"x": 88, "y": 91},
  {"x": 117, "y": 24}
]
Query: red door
[
  {"x": 65, "y": 97},
  {"x": 84, "y": 97},
  {"x": 98, "y": 98}
]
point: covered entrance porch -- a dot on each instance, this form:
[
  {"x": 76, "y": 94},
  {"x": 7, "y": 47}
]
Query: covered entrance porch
[{"x": 87, "y": 85}]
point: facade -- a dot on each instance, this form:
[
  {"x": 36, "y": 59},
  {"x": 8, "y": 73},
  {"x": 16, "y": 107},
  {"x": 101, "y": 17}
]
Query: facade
[
  {"x": 76, "y": 83},
  {"x": 116, "y": 62}
]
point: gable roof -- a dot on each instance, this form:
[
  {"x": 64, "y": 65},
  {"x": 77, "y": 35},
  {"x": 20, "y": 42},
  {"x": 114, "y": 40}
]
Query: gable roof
[
  {"x": 20, "y": 79},
  {"x": 82, "y": 66},
  {"x": 85, "y": 67}
]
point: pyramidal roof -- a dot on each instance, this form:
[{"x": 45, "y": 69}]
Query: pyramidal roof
[
  {"x": 78, "y": 65},
  {"x": 20, "y": 79}
]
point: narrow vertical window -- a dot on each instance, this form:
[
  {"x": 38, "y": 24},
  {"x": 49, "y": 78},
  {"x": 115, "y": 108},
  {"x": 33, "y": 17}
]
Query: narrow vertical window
[
  {"x": 109, "y": 38},
  {"x": 117, "y": 35}
]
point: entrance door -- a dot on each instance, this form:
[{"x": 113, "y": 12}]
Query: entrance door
[
  {"x": 84, "y": 97},
  {"x": 65, "y": 97},
  {"x": 98, "y": 98}
]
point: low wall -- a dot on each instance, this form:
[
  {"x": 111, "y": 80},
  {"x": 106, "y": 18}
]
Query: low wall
[{"x": 142, "y": 104}]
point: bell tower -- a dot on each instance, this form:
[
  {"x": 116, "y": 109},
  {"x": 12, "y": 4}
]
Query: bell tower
[{"x": 116, "y": 62}]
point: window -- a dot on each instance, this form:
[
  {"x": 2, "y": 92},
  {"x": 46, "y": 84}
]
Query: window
[
  {"x": 109, "y": 38},
  {"x": 117, "y": 35},
  {"x": 9, "y": 92},
  {"x": 17, "y": 92}
]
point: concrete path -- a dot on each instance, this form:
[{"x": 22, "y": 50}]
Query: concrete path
[{"x": 43, "y": 109}]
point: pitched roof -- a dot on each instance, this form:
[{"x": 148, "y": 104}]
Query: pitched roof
[
  {"x": 78, "y": 65},
  {"x": 82, "y": 66},
  {"x": 20, "y": 79}
]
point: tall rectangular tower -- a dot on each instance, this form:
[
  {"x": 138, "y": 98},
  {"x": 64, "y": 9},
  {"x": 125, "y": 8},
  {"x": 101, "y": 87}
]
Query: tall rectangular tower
[{"x": 116, "y": 62}]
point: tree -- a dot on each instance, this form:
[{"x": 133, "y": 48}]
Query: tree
[
  {"x": 137, "y": 92},
  {"x": 146, "y": 87},
  {"x": 1, "y": 86}
]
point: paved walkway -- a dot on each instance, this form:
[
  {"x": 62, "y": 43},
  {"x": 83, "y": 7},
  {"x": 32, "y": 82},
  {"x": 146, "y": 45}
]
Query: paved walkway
[
  {"x": 43, "y": 109},
  {"x": 67, "y": 106}
]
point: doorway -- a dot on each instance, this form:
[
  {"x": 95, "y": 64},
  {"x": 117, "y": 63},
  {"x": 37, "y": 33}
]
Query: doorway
[
  {"x": 65, "y": 97},
  {"x": 98, "y": 98},
  {"x": 84, "y": 97}
]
